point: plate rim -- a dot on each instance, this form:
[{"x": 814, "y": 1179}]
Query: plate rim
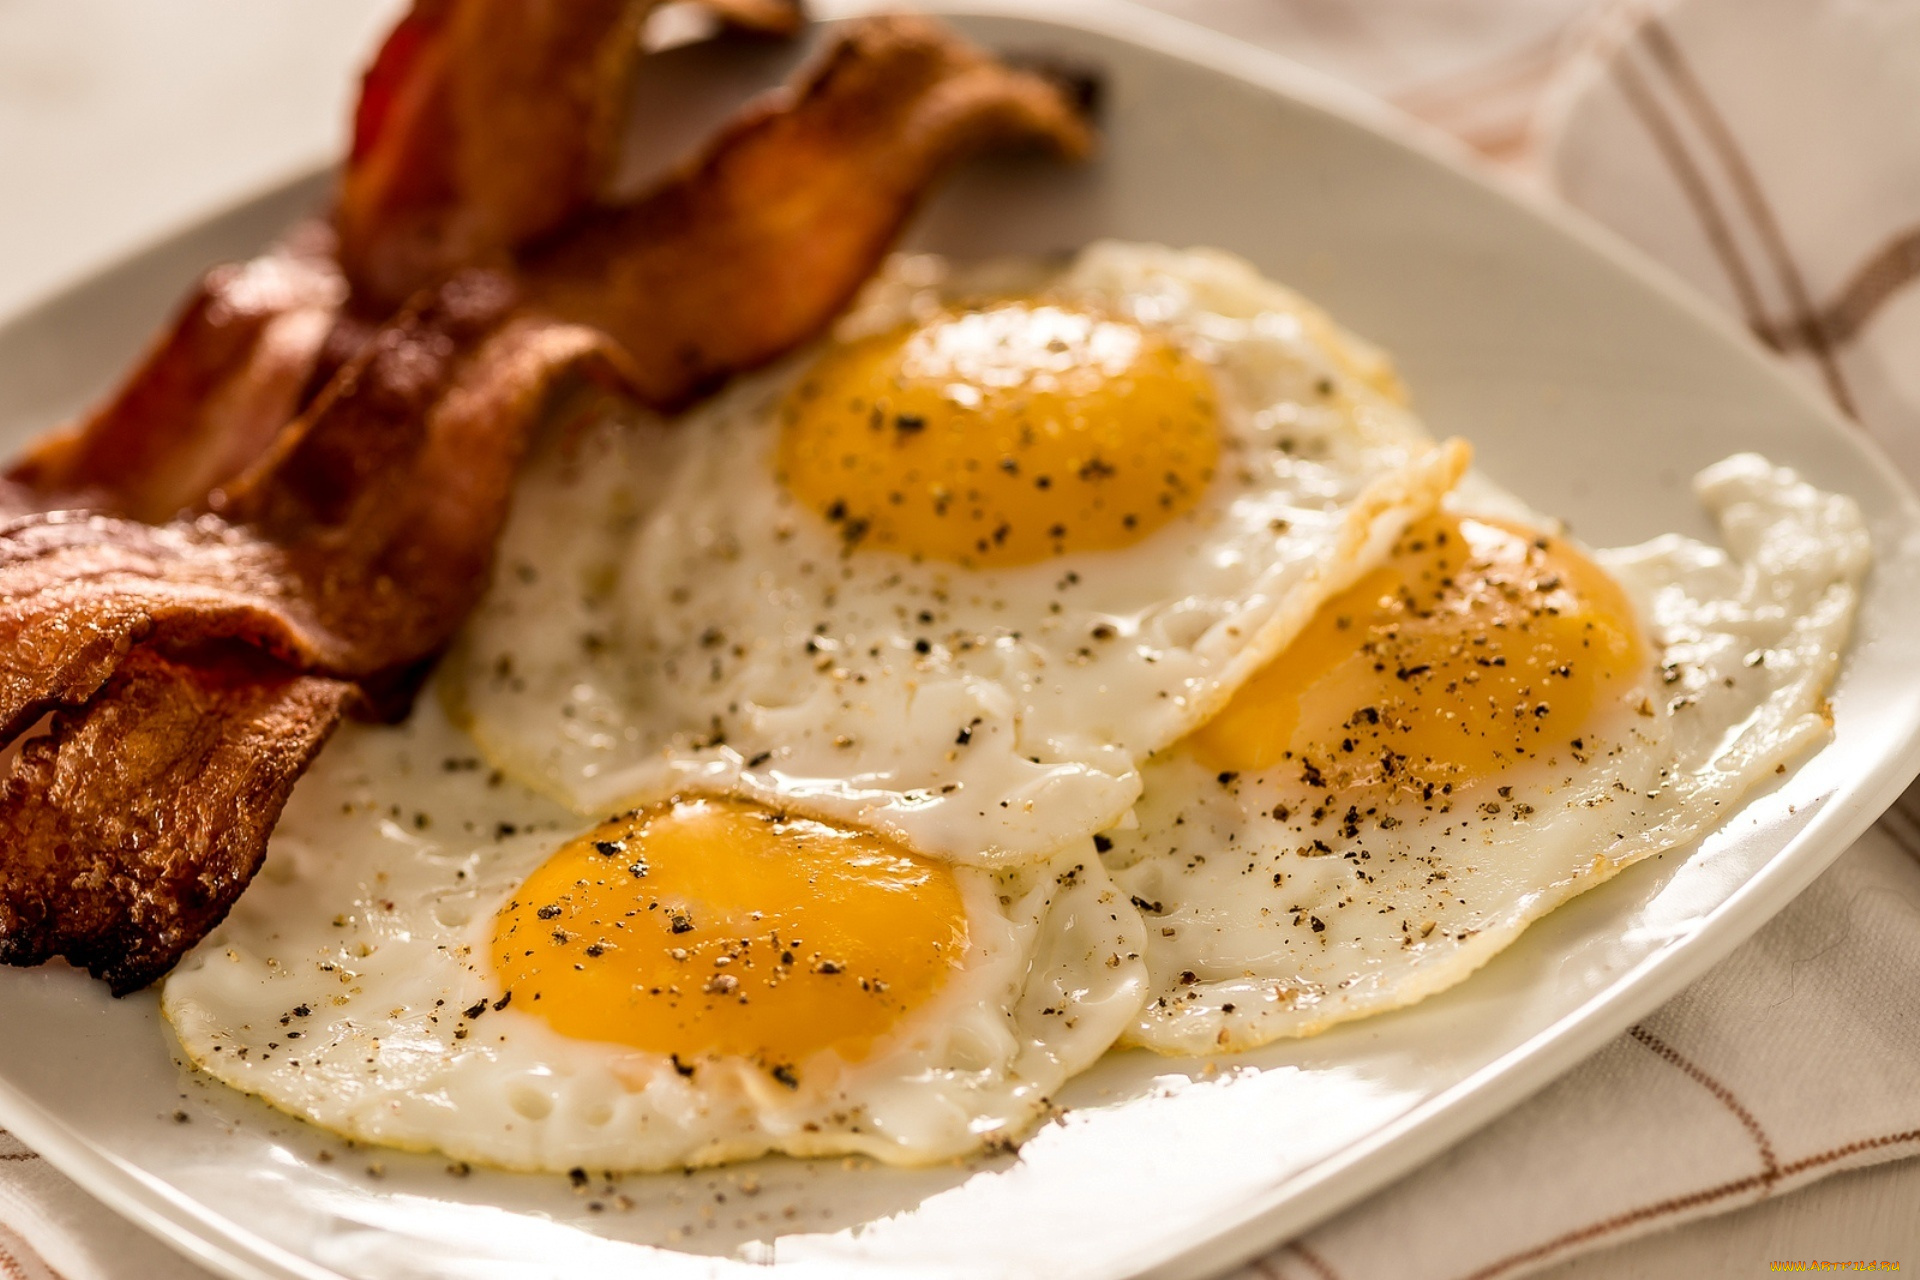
[{"x": 1325, "y": 1187}]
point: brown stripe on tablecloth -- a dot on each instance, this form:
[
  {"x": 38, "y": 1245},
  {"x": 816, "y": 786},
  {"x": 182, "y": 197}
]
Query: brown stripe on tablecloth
[
  {"x": 1837, "y": 1154},
  {"x": 1804, "y": 322},
  {"x": 1769, "y": 1163},
  {"x": 1693, "y": 185},
  {"x": 1888, "y": 270},
  {"x": 1315, "y": 1263},
  {"x": 18, "y": 1261},
  {"x": 1308, "y": 1258},
  {"x": 1693, "y": 1200}
]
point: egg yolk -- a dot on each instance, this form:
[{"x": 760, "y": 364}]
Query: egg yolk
[
  {"x": 1476, "y": 646},
  {"x": 1002, "y": 435},
  {"x": 718, "y": 928}
]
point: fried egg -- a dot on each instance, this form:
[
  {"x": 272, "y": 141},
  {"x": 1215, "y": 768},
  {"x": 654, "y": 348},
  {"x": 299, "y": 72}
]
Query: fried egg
[
  {"x": 954, "y": 575},
  {"x": 1490, "y": 722},
  {"x": 435, "y": 958}
]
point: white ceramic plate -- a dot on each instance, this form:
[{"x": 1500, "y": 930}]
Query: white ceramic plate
[{"x": 1590, "y": 386}]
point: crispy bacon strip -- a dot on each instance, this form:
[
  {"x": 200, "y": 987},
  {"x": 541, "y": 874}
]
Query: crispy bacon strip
[
  {"x": 215, "y": 390},
  {"x": 765, "y": 238},
  {"x": 131, "y": 828},
  {"x": 485, "y": 123},
  {"x": 351, "y": 550},
  {"x": 481, "y": 124},
  {"x": 355, "y": 547}
]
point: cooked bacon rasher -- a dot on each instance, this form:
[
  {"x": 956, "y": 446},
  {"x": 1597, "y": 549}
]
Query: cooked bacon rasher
[
  {"x": 204, "y": 577},
  {"x": 211, "y": 395}
]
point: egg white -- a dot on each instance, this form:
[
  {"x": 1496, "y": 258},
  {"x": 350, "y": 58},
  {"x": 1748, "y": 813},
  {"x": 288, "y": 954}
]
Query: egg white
[
  {"x": 350, "y": 987},
  {"x": 667, "y": 614},
  {"x": 1256, "y": 932}
]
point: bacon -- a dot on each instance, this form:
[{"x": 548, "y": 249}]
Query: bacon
[
  {"x": 778, "y": 18},
  {"x": 487, "y": 123},
  {"x": 354, "y": 548},
  {"x": 329, "y": 570},
  {"x": 218, "y": 386},
  {"x": 768, "y": 235},
  {"x": 481, "y": 124},
  {"x": 132, "y": 827}
]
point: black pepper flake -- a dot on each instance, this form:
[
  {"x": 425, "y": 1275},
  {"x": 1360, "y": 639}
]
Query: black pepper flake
[
  {"x": 1319, "y": 925},
  {"x": 684, "y": 1068},
  {"x": 1102, "y": 844},
  {"x": 549, "y": 912},
  {"x": 609, "y": 848},
  {"x": 577, "y": 1176},
  {"x": 475, "y": 1010},
  {"x": 759, "y": 759},
  {"x": 1151, "y": 908},
  {"x": 786, "y": 1076},
  {"x": 503, "y": 1002},
  {"x": 680, "y": 922},
  {"x": 908, "y": 423}
]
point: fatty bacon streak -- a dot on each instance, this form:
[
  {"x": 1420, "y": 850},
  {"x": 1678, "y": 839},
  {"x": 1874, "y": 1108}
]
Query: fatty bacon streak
[{"x": 193, "y": 668}]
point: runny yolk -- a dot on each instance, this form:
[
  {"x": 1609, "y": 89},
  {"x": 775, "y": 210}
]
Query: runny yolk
[
  {"x": 1476, "y": 646},
  {"x": 1002, "y": 435},
  {"x": 718, "y": 928}
]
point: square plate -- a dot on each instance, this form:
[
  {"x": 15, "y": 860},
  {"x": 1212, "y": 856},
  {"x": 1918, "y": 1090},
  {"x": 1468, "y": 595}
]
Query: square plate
[{"x": 1590, "y": 385}]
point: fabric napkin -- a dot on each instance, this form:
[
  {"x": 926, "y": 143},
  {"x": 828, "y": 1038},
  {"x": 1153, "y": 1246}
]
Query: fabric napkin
[{"x": 1768, "y": 151}]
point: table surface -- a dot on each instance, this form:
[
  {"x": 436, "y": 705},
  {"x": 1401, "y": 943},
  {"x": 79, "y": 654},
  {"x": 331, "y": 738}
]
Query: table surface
[{"x": 118, "y": 124}]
